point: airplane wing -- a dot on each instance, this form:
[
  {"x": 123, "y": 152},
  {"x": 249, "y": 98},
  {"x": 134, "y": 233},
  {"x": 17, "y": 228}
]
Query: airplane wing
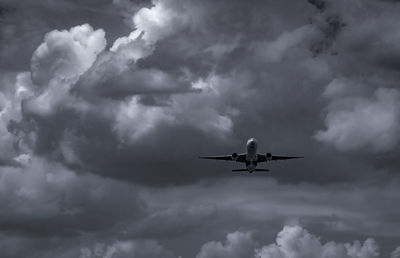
[
  {"x": 238, "y": 157},
  {"x": 263, "y": 158},
  {"x": 284, "y": 157}
]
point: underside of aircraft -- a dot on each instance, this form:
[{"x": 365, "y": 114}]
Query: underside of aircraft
[{"x": 251, "y": 158}]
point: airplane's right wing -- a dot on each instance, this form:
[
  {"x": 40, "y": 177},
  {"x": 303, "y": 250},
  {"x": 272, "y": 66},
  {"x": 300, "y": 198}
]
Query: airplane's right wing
[
  {"x": 233, "y": 157},
  {"x": 264, "y": 158},
  {"x": 284, "y": 157}
]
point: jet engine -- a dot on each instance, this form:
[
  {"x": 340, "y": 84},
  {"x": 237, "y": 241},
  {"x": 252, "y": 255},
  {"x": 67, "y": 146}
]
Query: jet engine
[
  {"x": 234, "y": 156},
  {"x": 268, "y": 156}
]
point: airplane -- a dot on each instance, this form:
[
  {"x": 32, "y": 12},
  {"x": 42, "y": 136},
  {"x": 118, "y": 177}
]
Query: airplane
[{"x": 251, "y": 157}]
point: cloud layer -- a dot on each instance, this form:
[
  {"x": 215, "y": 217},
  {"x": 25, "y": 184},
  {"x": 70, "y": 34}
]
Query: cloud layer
[
  {"x": 360, "y": 122},
  {"x": 297, "y": 242},
  {"x": 105, "y": 107},
  {"x": 292, "y": 241}
]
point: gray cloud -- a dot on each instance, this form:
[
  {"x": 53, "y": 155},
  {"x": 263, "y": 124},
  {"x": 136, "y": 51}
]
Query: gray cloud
[
  {"x": 81, "y": 211},
  {"x": 105, "y": 107},
  {"x": 193, "y": 72},
  {"x": 44, "y": 199},
  {"x": 238, "y": 244},
  {"x": 121, "y": 249},
  {"x": 395, "y": 253},
  {"x": 340, "y": 208},
  {"x": 297, "y": 242},
  {"x": 358, "y": 123},
  {"x": 291, "y": 241}
]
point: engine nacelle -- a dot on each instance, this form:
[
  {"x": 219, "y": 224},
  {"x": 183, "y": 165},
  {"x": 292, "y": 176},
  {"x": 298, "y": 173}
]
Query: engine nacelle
[
  {"x": 234, "y": 156},
  {"x": 268, "y": 156}
]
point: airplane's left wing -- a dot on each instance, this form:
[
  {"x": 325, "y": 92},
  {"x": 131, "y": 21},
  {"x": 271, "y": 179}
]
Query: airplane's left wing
[{"x": 233, "y": 157}]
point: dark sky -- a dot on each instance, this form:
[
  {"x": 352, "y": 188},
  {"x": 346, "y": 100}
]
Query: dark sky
[{"x": 105, "y": 106}]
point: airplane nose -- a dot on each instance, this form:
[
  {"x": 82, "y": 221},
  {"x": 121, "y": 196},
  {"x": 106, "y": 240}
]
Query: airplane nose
[{"x": 251, "y": 141}]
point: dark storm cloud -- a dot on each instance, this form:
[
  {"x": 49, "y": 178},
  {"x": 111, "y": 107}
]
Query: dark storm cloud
[
  {"x": 182, "y": 111},
  {"x": 105, "y": 114},
  {"x": 319, "y": 4},
  {"x": 46, "y": 199},
  {"x": 184, "y": 218},
  {"x": 23, "y": 24},
  {"x": 262, "y": 206},
  {"x": 196, "y": 74},
  {"x": 290, "y": 241},
  {"x": 267, "y": 201}
]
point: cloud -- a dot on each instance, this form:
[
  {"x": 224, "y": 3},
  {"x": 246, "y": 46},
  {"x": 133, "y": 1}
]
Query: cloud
[
  {"x": 81, "y": 247},
  {"x": 137, "y": 82},
  {"x": 355, "y": 123},
  {"x": 17, "y": 87},
  {"x": 66, "y": 54},
  {"x": 395, "y": 253},
  {"x": 238, "y": 244},
  {"x": 61, "y": 59},
  {"x": 296, "y": 242},
  {"x": 136, "y": 96},
  {"x": 291, "y": 242},
  {"x": 161, "y": 20},
  {"x": 134, "y": 120},
  {"x": 74, "y": 75},
  {"x": 190, "y": 74},
  {"x": 125, "y": 249},
  {"x": 274, "y": 51},
  {"x": 58, "y": 63},
  {"x": 48, "y": 193},
  {"x": 340, "y": 208}
]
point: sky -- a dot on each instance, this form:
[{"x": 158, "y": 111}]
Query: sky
[{"x": 106, "y": 105}]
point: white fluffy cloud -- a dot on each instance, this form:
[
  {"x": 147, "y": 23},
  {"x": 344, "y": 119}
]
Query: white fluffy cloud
[
  {"x": 13, "y": 143},
  {"x": 134, "y": 119},
  {"x": 66, "y": 54},
  {"x": 237, "y": 245},
  {"x": 291, "y": 242},
  {"x": 296, "y": 242},
  {"x": 59, "y": 61},
  {"x": 163, "y": 19},
  {"x": 203, "y": 110},
  {"x": 362, "y": 122},
  {"x": 199, "y": 110},
  {"x": 153, "y": 24}
]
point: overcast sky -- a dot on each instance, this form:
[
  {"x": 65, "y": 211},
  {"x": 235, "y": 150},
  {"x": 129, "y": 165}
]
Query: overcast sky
[{"x": 105, "y": 106}]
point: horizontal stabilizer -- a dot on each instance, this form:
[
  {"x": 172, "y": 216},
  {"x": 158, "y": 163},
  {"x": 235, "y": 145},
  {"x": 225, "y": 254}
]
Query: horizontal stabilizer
[{"x": 243, "y": 169}]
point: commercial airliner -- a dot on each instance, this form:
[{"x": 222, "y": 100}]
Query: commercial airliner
[{"x": 251, "y": 158}]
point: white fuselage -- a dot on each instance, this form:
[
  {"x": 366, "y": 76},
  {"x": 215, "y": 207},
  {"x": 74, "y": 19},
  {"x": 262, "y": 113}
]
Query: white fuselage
[{"x": 251, "y": 155}]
